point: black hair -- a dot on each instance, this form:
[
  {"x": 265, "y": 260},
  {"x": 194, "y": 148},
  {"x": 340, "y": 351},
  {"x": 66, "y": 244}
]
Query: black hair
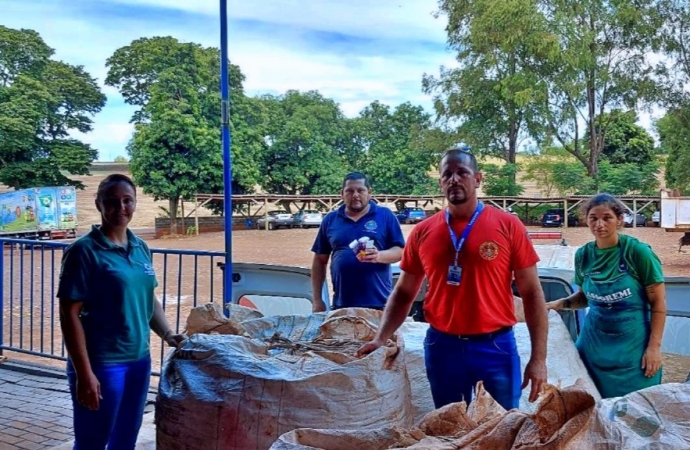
[
  {"x": 462, "y": 151},
  {"x": 113, "y": 179},
  {"x": 604, "y": 199},
  {"x": 356, "y": 176}
]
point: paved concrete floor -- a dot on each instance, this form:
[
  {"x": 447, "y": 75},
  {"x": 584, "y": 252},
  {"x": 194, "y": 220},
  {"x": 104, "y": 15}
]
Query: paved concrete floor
[{"x": 36, "y": 410}]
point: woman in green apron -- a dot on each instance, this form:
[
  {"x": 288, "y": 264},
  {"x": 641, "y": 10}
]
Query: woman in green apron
[{"x": 622, "y": 283}]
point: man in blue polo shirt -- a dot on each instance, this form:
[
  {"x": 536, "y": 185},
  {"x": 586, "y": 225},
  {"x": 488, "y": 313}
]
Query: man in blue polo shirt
[{"x": 363, "y": 281}]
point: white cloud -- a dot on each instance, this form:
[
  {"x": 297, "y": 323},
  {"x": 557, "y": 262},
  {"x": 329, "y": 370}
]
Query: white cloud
[
  {"x": 404, "y": 19},
  {"x": 354, "y": 51}
]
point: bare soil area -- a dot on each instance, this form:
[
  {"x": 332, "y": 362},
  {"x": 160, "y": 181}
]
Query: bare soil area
[
  {"x": 201, "y": 280},
  {"x": 293, "y": 247}
]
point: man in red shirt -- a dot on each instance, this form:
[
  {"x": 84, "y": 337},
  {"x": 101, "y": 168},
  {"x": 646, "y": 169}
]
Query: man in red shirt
[{"x": 469, "y": 254}]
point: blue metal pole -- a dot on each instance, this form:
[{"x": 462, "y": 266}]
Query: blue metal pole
[
  {"x": 227, "y": 160},
  {"x": 2, "y": 292}
]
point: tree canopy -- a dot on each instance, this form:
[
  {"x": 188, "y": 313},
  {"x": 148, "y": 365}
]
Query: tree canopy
[
  {"x": 175, "y": 151},
  {"x": 42, "y": 102}
]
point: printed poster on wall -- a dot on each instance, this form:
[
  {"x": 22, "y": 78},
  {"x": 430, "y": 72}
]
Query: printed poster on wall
[
  {"x": 67, "y": 207},
  {"x": 17, "y": 211},
  {"x": 47, "y": 208}
]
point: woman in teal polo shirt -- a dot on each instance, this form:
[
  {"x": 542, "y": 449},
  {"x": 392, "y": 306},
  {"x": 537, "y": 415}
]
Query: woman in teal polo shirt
[
  {"x": 621, "y": 281},
  {"x": 107, "y": 312}
]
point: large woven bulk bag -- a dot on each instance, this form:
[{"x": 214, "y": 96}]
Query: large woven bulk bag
[
  {"x": 242, "y": 392},
  {"x": 558, "y": 420}
]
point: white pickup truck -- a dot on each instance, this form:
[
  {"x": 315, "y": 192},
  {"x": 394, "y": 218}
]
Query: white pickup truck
[{"x": 278, "y": 290}]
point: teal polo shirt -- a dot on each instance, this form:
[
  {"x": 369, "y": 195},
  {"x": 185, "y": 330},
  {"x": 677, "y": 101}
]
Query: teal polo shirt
[{"x": 115, "y": 285}]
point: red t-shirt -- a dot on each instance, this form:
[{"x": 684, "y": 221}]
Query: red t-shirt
[{"x": 497, "y": 245}]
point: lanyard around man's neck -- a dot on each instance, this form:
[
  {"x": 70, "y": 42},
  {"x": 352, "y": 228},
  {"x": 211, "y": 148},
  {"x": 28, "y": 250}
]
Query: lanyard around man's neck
[{"x": 458, "y": 244}]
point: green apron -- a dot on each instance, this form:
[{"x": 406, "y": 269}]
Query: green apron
[{"x": 616, "y": 332}]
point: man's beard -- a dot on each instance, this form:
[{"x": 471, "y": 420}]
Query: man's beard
[
  {"x": 357, "y": 210},
  {"x": 455, "y": 199}
]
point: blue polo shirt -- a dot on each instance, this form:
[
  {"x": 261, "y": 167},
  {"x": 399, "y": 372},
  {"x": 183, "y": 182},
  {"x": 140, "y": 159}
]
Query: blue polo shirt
[{"x": 356, "y": 283}]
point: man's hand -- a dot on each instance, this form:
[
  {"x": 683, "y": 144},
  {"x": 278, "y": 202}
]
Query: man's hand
[
  {"x": 318, "y": 306},
  {"x": 371, "y": 255},
  {"x": 369, "y": 347},
  {"x": 651, "y": 361},
  {"x": 535, "y": 374}
]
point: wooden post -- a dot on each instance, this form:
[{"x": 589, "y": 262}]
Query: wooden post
[
  {"x": 266, "y": 213},
  {"x": 184, "y": 228},
  {"x": 634, "y": 213},
  {"x": 196, "y": 214},
  {"x": 565, "y": 209}
]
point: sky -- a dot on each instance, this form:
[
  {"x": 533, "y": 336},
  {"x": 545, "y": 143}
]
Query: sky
[{"x": 354, "y": 51}]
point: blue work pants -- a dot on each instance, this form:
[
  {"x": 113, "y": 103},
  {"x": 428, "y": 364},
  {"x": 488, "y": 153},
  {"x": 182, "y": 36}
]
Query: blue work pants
[
  {"x": 116, "y": 423},
  {"x": 454, "y": 365}
]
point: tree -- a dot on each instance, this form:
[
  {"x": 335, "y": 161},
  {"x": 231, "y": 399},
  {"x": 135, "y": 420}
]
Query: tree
[
  {"x": 400, "y": 148},
  {"x": 499, "y": 181},
  {"x": 624, "y": 140},
  {"x": 120, "y": 159},
  {"x": 42, "y": 101},
  {"x": 555, "y": 172},
  {"x": 494, "y": 91},
  {"x": 674, "y": 127},
  {"x": 306, "y": 138},
  {"x": 602, "y": 63},
  {"x": 674, "y": 134},
  {"x": 628, "y": 178},
  {"x": 175, "y": 151}
]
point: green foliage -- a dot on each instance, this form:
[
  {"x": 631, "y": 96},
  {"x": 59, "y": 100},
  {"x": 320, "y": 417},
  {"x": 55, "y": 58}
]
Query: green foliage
[
  {"x": 120, "y": 159},
  {"x": 624, "y": 140},
  {"x": 628, "y": 178},
  {"x": 176, "y": 150},
  {"x": 602, "y": 63},
  {"x": 500, "y": 180},
  {"x": 306, "y": 137},
  {"x": 42, "y": 101},
  {"x": 674, "y": 133},
  {"x": 399, "y": 149},
  {"x": 554, "y": 172},
  {"x": 495, "y": 89}
]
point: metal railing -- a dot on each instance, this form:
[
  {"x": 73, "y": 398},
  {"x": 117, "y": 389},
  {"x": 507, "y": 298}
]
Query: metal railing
[{"x": 29, "y": 314}]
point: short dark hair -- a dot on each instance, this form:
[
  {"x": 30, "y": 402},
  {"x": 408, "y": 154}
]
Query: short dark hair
[
  {"x": 356, "y": 176},
  {"x": 604, "y": 199},
  {"x": 461, "y": 151},
  {"x": 113, "y": 179}
]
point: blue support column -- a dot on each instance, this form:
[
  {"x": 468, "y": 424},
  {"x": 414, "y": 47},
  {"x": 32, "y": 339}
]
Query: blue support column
[
  {"x": 226, "y": 142},
  {"x": 2, "y": 294}
]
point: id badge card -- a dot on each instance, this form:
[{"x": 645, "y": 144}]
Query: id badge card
[{"x": 454, "y": 275}]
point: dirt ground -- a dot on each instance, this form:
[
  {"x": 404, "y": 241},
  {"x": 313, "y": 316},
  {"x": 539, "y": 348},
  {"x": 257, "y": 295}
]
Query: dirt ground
[
  {"x": 292, "y": 247},
  {"x": 201, "y": 279}
]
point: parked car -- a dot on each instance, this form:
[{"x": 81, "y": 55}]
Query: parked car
[
  {"x": 656, "y": 218},
  {"x": 276, "y": 219},
  {"x": 640, "y": 219},
  {"x": 308, "y": 218},
  {"x": 411, "y": 215},
  {"x": 554, "y": 218}
]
